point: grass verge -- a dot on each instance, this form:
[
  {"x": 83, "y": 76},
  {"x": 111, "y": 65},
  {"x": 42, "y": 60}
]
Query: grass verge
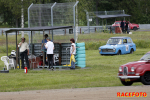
[{"x": 101, "y": 71}]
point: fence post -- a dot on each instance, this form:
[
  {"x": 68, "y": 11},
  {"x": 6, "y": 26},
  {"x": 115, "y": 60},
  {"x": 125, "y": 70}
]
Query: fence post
[
  {"x": 52, "y": 18},
  {"x": 65, "y": 31},
  {"x": 74, "y": 20},
  {"x": 80, "y": 30},
  {"x": 29, "y": 21},
  {"x": 2, "y": 32}
]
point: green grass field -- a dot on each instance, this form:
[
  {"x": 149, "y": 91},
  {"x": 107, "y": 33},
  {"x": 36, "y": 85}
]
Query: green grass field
[{"x": 101, "y": 71}]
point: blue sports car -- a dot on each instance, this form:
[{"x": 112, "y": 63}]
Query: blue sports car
[{"x": 118, "y": 45}]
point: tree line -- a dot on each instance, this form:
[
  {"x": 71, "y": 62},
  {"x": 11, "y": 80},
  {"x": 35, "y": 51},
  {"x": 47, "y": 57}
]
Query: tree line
[{"x": 10, "y": 12}]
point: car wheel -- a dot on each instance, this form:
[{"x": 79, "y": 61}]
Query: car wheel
[
  {"x": 126, "y": 83},
  {"x": 145, "y": 79},
  {"x": 134, "y": 28},
  {"x": 119, "y": 52},
  {"x": 131, "y": 51}
]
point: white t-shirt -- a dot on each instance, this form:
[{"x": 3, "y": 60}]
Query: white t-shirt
[
  {"x": 23, "y": 46},
  {"x": 71, "y": 49},
  {"x": 50, "y": 46}
]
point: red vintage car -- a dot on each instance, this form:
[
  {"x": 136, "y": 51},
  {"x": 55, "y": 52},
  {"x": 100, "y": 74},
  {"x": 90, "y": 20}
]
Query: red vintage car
[
  {"x": 132, "y": 26},
  {"x": 138, "y": 71}
]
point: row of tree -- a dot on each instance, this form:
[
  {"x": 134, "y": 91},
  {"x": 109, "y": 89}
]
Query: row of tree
[{"x": 10, "y": 12}]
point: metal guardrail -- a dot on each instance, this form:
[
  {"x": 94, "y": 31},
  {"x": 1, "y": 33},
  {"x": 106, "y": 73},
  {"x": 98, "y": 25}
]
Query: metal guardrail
[{"x": 81, "y": 30}]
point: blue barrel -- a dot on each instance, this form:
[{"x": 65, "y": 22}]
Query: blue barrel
[
  {"x": 80, "y": 62},
  {"x": 80, "y": 56},
  {"x": 80, "y": 59},
  {"x": 80, "y": 44},
  {"x": 80, "y": 49},
  {"x": 82, "y": 66},
  {"x": 80, "y": 52}
]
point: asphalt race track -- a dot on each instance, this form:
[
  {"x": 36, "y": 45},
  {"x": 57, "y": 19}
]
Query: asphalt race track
[{"x": 98, "y": 93}]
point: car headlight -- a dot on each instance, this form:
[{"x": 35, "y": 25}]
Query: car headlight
[
  {"x": 132, "y": 69},
  {"x": 99, "y": 49},
  {"x": 114, "y": 49},
  {"x": 120, "y": 69}
]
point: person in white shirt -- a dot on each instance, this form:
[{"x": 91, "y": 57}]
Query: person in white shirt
[
  {"x": 72, "y": 52},
  {"x": 50, "y": 48},
  {"x": 24, "y": 52}
]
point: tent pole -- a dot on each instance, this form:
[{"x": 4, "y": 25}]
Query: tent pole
[
  {"x": 102, "y": 22},
  {"x": 31, "y": 49},
  {"x": 124, "y": 17},
  {"x": 16, "y": 51},
  {"x": 52, "y": 36},
  {"x": 6, "y": 44},
  {"x": 106, "y": 18},
  {"x": 43, "y": 51}
]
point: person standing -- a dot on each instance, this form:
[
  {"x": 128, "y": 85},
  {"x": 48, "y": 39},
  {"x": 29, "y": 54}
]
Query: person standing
[
  {"x": 43, "y": 48},
  {"x": 72, "y": 52},
  {"x": 122, "y": 26},
  {"x": 24, "y": 52},
  {"x": 126, "y": 26},
  {"x": 50, "y": 48}
]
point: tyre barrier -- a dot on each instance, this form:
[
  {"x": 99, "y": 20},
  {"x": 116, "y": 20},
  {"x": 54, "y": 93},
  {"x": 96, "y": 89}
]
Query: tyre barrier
[
  {"x": 80, "y": 55},
  {"x": 80, "y": 52},
  {"x": 80, "y": 44},
  {"x": 81, "y": 59}
]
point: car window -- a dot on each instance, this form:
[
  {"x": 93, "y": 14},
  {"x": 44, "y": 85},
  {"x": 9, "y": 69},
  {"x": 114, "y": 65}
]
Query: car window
[
  {"x": 129, "y": 41},
  {"x": 114, "y": 41},
  {"x": 120, "y": 41},
  {"x": 117, "y": 22},
  {"x": 124, "y": 40},
  {"x": 146, "y": 57}
]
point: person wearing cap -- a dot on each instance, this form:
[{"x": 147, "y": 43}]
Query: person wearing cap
[
  {"x": 72, "y": 52},
  {"x": 24, "y": 52},
  {"x": 43, "y": 48},
  {"x": 50, "y": 48}
]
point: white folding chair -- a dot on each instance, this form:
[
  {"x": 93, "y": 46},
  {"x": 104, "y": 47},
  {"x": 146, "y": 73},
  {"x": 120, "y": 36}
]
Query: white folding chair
[
  {"x": 5, "y": 60},
  {"x": 11, "y": 63}
]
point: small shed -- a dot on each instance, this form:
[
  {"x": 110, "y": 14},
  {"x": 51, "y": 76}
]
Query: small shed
[{"x": 31, "y": 30}]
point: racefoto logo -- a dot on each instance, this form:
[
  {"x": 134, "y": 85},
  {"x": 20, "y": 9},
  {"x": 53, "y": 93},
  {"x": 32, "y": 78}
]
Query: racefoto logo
[{"x": 131, "y": 94}]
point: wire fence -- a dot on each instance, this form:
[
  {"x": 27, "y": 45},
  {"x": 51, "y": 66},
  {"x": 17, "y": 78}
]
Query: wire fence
[
  {"x": 53, "y": 14},
  {"x": 40, "y": 15},
  {"x": 63, "y": 14}
]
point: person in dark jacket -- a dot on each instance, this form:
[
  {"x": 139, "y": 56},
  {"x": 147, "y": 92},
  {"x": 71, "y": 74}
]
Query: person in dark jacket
[
  {"x": 122, "y": 25},
  {"x": 126, "y": 26}
]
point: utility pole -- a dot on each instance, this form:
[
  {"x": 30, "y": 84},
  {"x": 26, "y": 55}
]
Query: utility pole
[{"x": 22, "y": 19}]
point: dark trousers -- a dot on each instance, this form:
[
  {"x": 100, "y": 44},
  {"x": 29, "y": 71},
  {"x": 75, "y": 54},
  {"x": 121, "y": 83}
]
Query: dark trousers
[
  {"x": 126, "y": 29},
  {"x": 45, "y": 57},
  {"x": 50, "y": 60},
  {"x": 122, "y": 29},
  {"x": 24, "y": 55}
]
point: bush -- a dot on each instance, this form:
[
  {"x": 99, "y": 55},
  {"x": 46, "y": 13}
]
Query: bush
[
  {"x": 10, "y": 48},
  {"x": 93, "y": 45},
  {"x": 141, "y": 43}
]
